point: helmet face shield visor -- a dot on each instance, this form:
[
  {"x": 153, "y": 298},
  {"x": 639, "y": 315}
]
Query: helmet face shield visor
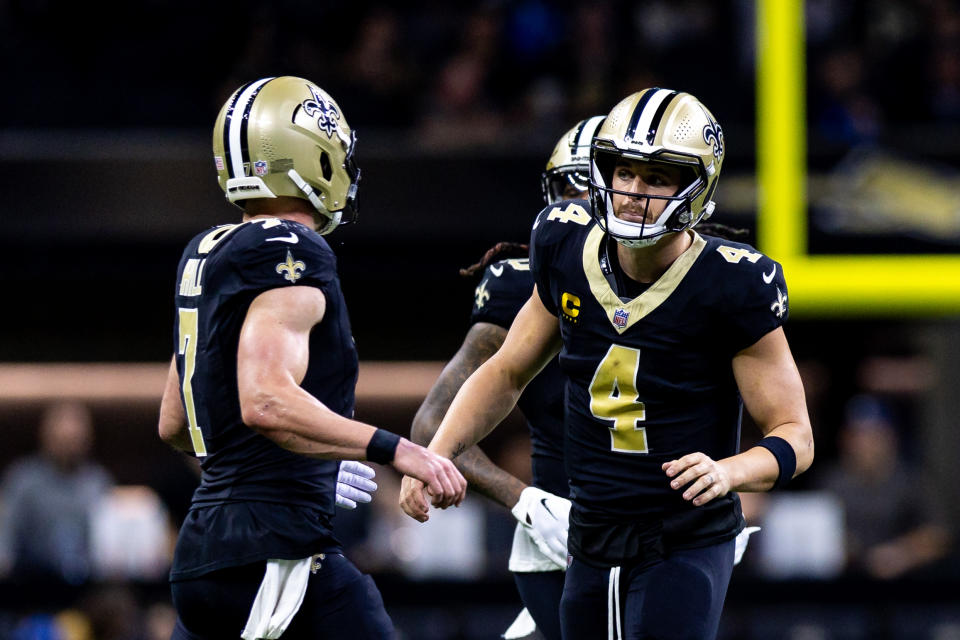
[
  {"x": 565, "y": 184},
  {"x": 352, "y": 206}
]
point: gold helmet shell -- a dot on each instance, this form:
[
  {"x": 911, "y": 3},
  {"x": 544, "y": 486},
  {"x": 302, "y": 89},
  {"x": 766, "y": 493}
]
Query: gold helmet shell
[
  {"x": 286, "y": 136},
  {"x": 569, "y": 164},
  {"x": 658, "y": 125}
]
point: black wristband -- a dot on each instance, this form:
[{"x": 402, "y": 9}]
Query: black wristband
[
  {"x": 786, "y": 458},
  {"x": 382, "y": 446}
]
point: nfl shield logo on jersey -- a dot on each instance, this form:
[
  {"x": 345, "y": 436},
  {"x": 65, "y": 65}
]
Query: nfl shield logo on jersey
[
  {"x": 260, "y": 166},
  {"x": 620, "y": 317}
]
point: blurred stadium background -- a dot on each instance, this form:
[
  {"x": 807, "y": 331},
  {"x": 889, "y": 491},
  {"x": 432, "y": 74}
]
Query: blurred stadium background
[{"x": 106, "y": 172}]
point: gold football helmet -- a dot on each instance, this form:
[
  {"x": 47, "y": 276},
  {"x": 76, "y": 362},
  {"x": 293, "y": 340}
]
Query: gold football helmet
[
  {"x": 662, "y": 126},
  {"x": 287, "y": 137},
  {"x": 569, "y": 164}
]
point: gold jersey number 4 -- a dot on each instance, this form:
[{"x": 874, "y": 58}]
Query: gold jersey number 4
[
  {"x": 571, "y": 213},
  {"x": 614, "y": 397}
]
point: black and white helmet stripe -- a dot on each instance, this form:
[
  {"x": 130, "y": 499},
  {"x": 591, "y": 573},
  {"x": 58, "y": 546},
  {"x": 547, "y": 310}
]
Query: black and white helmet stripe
[
  {"x": 584, "y": 138},
  {"x": 647, "y": 115},
  {"x": 235, "y": 126}
]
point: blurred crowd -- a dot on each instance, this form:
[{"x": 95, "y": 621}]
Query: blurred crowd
[
  {"x": 72, "y": 541},
  {"x": 87, "y": 557},
  {"x": 468, "y": 74},
  {"x": 870, "y": 512}
]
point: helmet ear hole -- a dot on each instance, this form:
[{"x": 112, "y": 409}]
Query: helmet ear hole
[{"x": 325, "y": 168}]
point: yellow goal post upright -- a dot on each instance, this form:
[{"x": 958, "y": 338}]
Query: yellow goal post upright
[{"x": 823, "y": 284}]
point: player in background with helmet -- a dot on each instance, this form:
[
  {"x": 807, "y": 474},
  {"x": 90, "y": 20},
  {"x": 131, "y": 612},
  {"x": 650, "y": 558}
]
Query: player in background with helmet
[
  {"x": 664, "y": 336},
  {"x": 261, "y": 386},
  {"x": 539, "y": 553}
]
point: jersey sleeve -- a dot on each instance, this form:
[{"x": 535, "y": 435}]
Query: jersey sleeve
[
  {"x": 505, "y": 287},
  {"x": 542, "y": 251},
  {"x": 555, "y": 245},
  {"x": 760, "y": 302},
  {"x": 283, "y": 256}
]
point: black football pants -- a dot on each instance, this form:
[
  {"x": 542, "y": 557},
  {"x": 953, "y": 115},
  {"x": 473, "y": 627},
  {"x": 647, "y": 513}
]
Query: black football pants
[
  {"x": 540, "y": 592},
  {"x": 679, "y": 598},
  {"x": 340, "y": 603}
]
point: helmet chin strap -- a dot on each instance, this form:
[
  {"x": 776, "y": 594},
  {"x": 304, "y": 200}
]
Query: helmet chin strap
[
  {"x": 332, "y": 219},
  {"x": 649, "y": 242},
  {"x": 620, "y": 230},
  {"x": 658, "y": 228}
]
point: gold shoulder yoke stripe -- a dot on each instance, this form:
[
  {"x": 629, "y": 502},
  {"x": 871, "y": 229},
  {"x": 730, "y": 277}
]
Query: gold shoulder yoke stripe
[{"x": 644, "y": 304}]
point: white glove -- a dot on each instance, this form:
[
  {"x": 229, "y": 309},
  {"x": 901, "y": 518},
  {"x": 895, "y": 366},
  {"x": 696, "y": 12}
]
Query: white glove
[
  {"x": 546, "y": 518},
  {"x": 354, "y": 484},
  {"x": 741, "y": 544}
]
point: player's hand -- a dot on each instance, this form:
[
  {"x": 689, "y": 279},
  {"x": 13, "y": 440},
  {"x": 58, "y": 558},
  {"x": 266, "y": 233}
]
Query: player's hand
[
  {"x": 700, "y": 477},
  {"x": 354, "y": 484},
  {"x": 546, "y": 519},
  {"x": 412, "y": 499},
  {"x": 444, "y": 483}
]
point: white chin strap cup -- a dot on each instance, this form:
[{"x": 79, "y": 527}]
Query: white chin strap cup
[{"x": 708, "y": 210}]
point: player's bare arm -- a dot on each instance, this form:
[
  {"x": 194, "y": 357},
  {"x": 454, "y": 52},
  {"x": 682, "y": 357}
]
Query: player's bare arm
[
  {"x": 772, "y": 392},
  {"x": 481, "y": 342},
  {"x": 173, "y": 420},
  {"x": 489, "y": 395},
  {"x": 272, "y": 360}
]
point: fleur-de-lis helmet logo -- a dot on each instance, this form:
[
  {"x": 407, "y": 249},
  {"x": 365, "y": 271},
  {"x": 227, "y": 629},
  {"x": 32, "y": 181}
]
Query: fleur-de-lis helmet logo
[
  {"x": 713, "y": 135},
  {"x": 324, "y": 110}
]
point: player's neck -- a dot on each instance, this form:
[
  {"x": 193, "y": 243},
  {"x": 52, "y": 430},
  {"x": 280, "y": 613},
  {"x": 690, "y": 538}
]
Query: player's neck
[
  {"x": 283, "y": 207},
  {"x": 647, "y": 264},
  {"x": 305, "y": 219}
]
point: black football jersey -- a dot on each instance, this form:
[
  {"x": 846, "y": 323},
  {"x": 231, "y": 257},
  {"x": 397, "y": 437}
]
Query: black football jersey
[
  {"x": 649, "y": 380},
  {"x": 256, "y": 500},
  {"x": 504, "y": 289}
]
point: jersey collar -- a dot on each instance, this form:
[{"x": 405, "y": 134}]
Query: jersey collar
[{"x": 622, "y": 315}]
